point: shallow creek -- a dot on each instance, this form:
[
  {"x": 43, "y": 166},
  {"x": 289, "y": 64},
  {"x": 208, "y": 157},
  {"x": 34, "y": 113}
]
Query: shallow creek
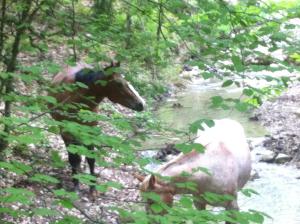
[{"x": 278, "y": 185}]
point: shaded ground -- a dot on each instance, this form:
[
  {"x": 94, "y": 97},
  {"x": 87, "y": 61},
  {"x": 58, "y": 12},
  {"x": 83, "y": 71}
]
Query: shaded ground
[
  {"x": 100, "y": 211},
  {"x": 281, "y": 117}
]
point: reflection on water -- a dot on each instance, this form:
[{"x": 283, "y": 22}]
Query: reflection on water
[
  {"x": 197, "y": 104},
  {"x": 278, "y": 186}
]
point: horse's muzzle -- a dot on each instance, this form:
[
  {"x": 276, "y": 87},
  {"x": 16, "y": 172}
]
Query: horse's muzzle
[{"x": 139, "y": 107}]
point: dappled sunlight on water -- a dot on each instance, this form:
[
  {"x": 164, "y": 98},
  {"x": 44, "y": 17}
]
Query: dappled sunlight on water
[{"x": 279, "y": 191}]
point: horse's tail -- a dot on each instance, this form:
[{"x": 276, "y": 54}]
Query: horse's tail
[{"x": 58, "y": 78}]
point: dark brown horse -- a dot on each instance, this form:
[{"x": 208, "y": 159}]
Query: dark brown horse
[{"x": 99, "y": 84}]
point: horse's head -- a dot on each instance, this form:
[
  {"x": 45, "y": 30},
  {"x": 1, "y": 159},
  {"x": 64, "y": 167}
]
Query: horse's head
[
  {"x": 121, "y": 91},
  {"x": 163, "y": 190}
]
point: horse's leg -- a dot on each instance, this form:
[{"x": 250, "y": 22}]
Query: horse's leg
[
  {"x": 74, "y": 160},
  {"x": 199, "y": 203},
  {"x": 232, "y": 205},
  {"x": 91, "y": 162}
]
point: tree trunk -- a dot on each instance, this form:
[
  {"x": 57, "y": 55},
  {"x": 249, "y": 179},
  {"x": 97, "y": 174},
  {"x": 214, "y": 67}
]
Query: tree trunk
[
  {"x": 3, "y": 19},
  {"x": 128, "y": 43},
  {"x": 11, "y": 64}
]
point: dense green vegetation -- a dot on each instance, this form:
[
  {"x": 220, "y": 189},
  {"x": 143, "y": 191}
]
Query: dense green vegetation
[{"x": 153, "y": 39}]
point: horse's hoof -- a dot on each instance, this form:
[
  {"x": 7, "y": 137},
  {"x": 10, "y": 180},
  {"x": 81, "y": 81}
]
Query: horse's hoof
[{"x": 93, "y": 195}]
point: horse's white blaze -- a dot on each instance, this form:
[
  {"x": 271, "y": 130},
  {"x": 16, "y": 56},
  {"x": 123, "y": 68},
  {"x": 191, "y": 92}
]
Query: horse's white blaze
[{"x": 137, "y": 94}]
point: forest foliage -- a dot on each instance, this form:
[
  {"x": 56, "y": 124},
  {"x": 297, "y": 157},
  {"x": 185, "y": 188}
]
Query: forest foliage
[{"x": 153, "y": 39}]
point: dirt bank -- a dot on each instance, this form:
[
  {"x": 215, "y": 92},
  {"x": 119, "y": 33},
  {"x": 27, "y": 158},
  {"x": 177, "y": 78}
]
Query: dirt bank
[{"x": 281, "y": 117}]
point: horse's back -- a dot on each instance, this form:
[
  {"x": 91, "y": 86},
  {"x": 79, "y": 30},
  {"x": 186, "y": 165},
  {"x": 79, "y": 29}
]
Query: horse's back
[
  {"x": 231, "y": 136},
  {"x": 67, "y": 75}
]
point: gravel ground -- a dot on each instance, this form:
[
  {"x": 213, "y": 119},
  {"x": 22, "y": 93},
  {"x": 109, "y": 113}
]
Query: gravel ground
[{"x": 281, "y": 117}]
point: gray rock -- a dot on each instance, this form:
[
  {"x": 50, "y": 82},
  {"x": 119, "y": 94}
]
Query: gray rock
[
  {"x": 267, "y": 156},
  {"x": 254, "y": 175},
  {"x": 282, "y": 158},
  {"x": 297, "y": 113}
]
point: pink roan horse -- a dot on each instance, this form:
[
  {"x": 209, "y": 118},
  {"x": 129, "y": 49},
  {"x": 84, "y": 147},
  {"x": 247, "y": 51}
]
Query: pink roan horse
[
  {"x": 226, "y": 157},
  {"x": 100, "y": 84}
]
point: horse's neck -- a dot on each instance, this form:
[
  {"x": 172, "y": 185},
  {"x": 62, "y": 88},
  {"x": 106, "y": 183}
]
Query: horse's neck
[{"x": 90, "y": 98}]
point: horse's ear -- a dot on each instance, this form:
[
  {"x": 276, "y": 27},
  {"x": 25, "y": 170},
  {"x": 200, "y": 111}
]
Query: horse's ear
[
  {"x": 115, "y": 64},
  {"x": 139, "y": 177},
  {"x": 152, "y": 181}
]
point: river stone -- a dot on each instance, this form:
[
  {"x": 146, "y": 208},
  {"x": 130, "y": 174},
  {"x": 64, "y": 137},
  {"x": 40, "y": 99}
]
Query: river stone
[
  {"x": 267, "y": 156},
  {"x": 282, "y": 158},
  {"x": 297, "y": 112},
  {"x": 254, "y": 175}
]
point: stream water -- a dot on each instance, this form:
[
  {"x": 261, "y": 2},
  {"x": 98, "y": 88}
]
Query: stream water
[{"x": 278, "y": 185}]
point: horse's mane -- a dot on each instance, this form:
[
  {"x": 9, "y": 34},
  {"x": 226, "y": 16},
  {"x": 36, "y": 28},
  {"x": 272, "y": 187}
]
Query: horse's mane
[
  {"x": 179, "y": 160},
  {"x": 89, "y": 76}
]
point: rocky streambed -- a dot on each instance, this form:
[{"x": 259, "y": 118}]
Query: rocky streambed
[{"x": 281, "y": 117}]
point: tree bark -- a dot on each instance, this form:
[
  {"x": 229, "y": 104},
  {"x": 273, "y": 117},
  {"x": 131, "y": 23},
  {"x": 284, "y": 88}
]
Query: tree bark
[
  {"x": 2, "y": 25},
  {"x": 128, "y": 43},
  {"x": 11, "y": 66}
]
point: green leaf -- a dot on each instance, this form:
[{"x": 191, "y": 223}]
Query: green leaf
[
  {"x": 152, "y": 196},
  {"x": 102, "y": 82},
  {"x": 57, "y": 160},
  {"x": 16, "y": 167},
  {"x": 248, "y": 92},
  {"x": 202, "y": 169},
  {"x": 238, "y": 64},
  {"x": 18, "y": 213},
  {"x": 65, "y": 194},
  {"x": 188, "y": 185},
  {"x": 45, "y": 212},
  {"x": 67, "y": 203},
  {"x": 82, "y": 85},
  {"x": 35, "y": 137},
  {"x": 81, "y": 150},
  {"x": 185, "y": 148},
  {"x": 54, "y": 129},
  {"x": 186, "y": 202},
  {"x": 249, "y": 192},
  {"x": 241, "y": 106},
  {"x": 4, "y": 75},
  {"x": 196, "y": 125},
  {"x": 86, "y": 179},
  {"x": 41, "y": 178},
  {"x": 285, "y": 80},
  {"x": 12, "y": 195},
  {"x": 217, "y": 198},
  {"x": 227, "y": 83},
  {"x": 269, "y": 78},
  {"x": 207, "y": 75},
  {"x": 50, "y": 99},
  {"x": 156, "y": 208},
  {"x": 217, "y": 101}
]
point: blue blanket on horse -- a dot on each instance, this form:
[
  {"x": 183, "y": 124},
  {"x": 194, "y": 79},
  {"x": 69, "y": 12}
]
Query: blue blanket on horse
[{"x": 88, "y": 76}]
